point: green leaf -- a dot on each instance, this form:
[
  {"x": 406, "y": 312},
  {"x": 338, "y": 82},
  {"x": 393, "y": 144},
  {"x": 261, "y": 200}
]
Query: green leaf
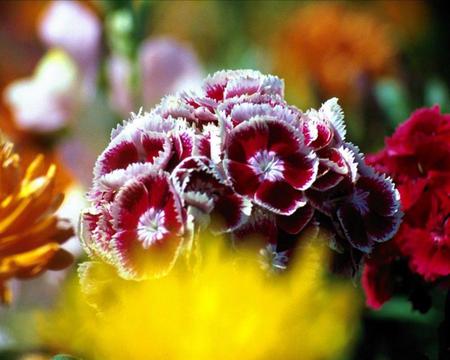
[
  {"x": 64, "y": 357},
  {"x": 393, "y": 99},
  {"x": 437, "y": 93}
]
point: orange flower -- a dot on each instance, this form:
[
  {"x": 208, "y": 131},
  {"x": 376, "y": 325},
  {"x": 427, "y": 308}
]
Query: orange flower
[
  {"x": 30, "y": 232},
  {"x": 334, "y": 46}
]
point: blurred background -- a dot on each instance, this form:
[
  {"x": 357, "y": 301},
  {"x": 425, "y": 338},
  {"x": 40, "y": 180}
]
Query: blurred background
[{"x": 71, "y": 70}]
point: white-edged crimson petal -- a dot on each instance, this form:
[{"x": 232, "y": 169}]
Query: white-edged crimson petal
[
  {"x": 283, "y": 138},
  {"x": 228, "y": 212},
  {"x": 247, "y": 139},
  {"x": 352, "y": 224},
  {"x": 152, "y": 145},
  {"x": 115, "y": 157},
  {"x": 137, "y": 262},
  {"x": 327, "y": 181},
  {"x": 279, "y": 197},
  {"x": 300, "y": 170},
  {"x": 259, "y": 229},
  {"x": 158, "y": 188},
  {"x": 324, "y": 135},
  {"x": 332, "y": 112},
  {"x": 296, "y": 222},
  {"x": 334, "y": 159},
  {"x": 129, "y": 204},
  {"x": 382, "y": 198},
  {"x": 241, "y": 86},
  {"x": 243, "y": 178}
]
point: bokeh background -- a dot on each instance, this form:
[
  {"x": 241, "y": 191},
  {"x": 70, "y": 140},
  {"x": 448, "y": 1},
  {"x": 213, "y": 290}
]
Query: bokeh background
[{"x": 69, "y": 73}]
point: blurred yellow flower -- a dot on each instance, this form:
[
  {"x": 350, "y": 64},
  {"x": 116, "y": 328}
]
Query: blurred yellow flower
[
  {"x": 30, "y": 233},
  {"x": 227, "y": 309},
  {"x": 333, "y": 46}
]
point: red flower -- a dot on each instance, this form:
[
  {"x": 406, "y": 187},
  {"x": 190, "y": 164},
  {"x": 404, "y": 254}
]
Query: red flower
[
  {"x": 148, "y": 221},
  {"x": 265, "y": 161},
  {"x": 417, "y": 157}
]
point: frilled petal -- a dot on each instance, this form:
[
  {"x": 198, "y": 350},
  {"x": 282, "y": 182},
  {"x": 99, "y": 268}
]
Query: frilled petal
[
  {"x": 300, "y": 170},
  {"x": 246, "y": 139},
  {"x": 334, "y": 159},
  {"x": 382, "y": 198},
  {"x": 139, "y": 263},
  {"x": 296, "y": 222},
  {"x": 283, "y": 139},
  {"x": 244, "y": 179},
  {"x": 229, "y": 212},
  {"x": 279, "y": 197},
  {"x": 115, "y": 157},
  {"x": 131, "y": 201},
  {"x": 327, "y": 181},
  {"x": 353, "y": 227},
  {"x": 381, "y": 228}
]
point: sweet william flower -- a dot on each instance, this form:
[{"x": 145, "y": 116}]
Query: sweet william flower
[
  {"x": 148, "y": 221},
  {"x": 265, "y": 161}
]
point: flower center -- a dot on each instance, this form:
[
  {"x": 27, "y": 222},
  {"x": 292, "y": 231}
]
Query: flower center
[
  {"x": 151, "y": 227},
  {"x": 267, "y": 165}
]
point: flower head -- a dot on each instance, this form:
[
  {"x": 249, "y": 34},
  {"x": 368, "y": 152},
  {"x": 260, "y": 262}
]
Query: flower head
[
  {"x": 30, "y": 232},
  {"x": 235, "y": 158}
]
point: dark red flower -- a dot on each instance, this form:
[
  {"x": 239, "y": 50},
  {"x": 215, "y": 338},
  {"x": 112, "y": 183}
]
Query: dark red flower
[
  {"x": 417, "y": 157},
  {"x": 266, "y": 161}
]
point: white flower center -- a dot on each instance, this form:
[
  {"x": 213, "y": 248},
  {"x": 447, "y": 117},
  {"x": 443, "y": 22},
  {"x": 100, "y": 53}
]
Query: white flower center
[
  {"x": 267, "y": 165},
  {"x": 151, "y": 227}
]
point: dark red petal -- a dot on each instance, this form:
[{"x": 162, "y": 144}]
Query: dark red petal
[
  {"x": 130, "y": 203},
  {"x": 333, "y": 158},
  {"x": 283, "y": 139},
  {"x": 327, "y": 181},
  {"x": 296, "y": 222},
  {"x": 139, "y": 263},
  {"x": 215, "y": 91},
  {"x": 381, "y": 228},
  {"x": 279, "y": 197},
  {"x": 244, "y": 180},
  {"x": 324, "y": 136},
  {"x": 259, "y": 230},
  {"x": 246, "y": 139},
  {"x": 382, "y": 197},
  {"x": 353, "y": 227},
  {"x": 227, "y": 213},
  {"x": 152, "y": 145},
  {"x": 184, "y": 144},
  {"x": 300, "y": 170},
  {"x": 378, "y": 284},
  {"x": 117, "y": 157},
  {"x": 158, "y": 187}
]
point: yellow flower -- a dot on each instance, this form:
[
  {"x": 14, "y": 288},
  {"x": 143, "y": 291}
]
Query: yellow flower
[
  {"x": 30, "y": 233},
  {"x": 227, "y": 309},
  {"x": 334, "y": 46}
]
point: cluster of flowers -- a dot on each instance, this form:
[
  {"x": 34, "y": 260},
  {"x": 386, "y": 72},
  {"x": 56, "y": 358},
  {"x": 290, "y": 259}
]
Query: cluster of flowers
[
  {"x": 417, "y": 156},
  {"x": 235, "y": 158}
]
